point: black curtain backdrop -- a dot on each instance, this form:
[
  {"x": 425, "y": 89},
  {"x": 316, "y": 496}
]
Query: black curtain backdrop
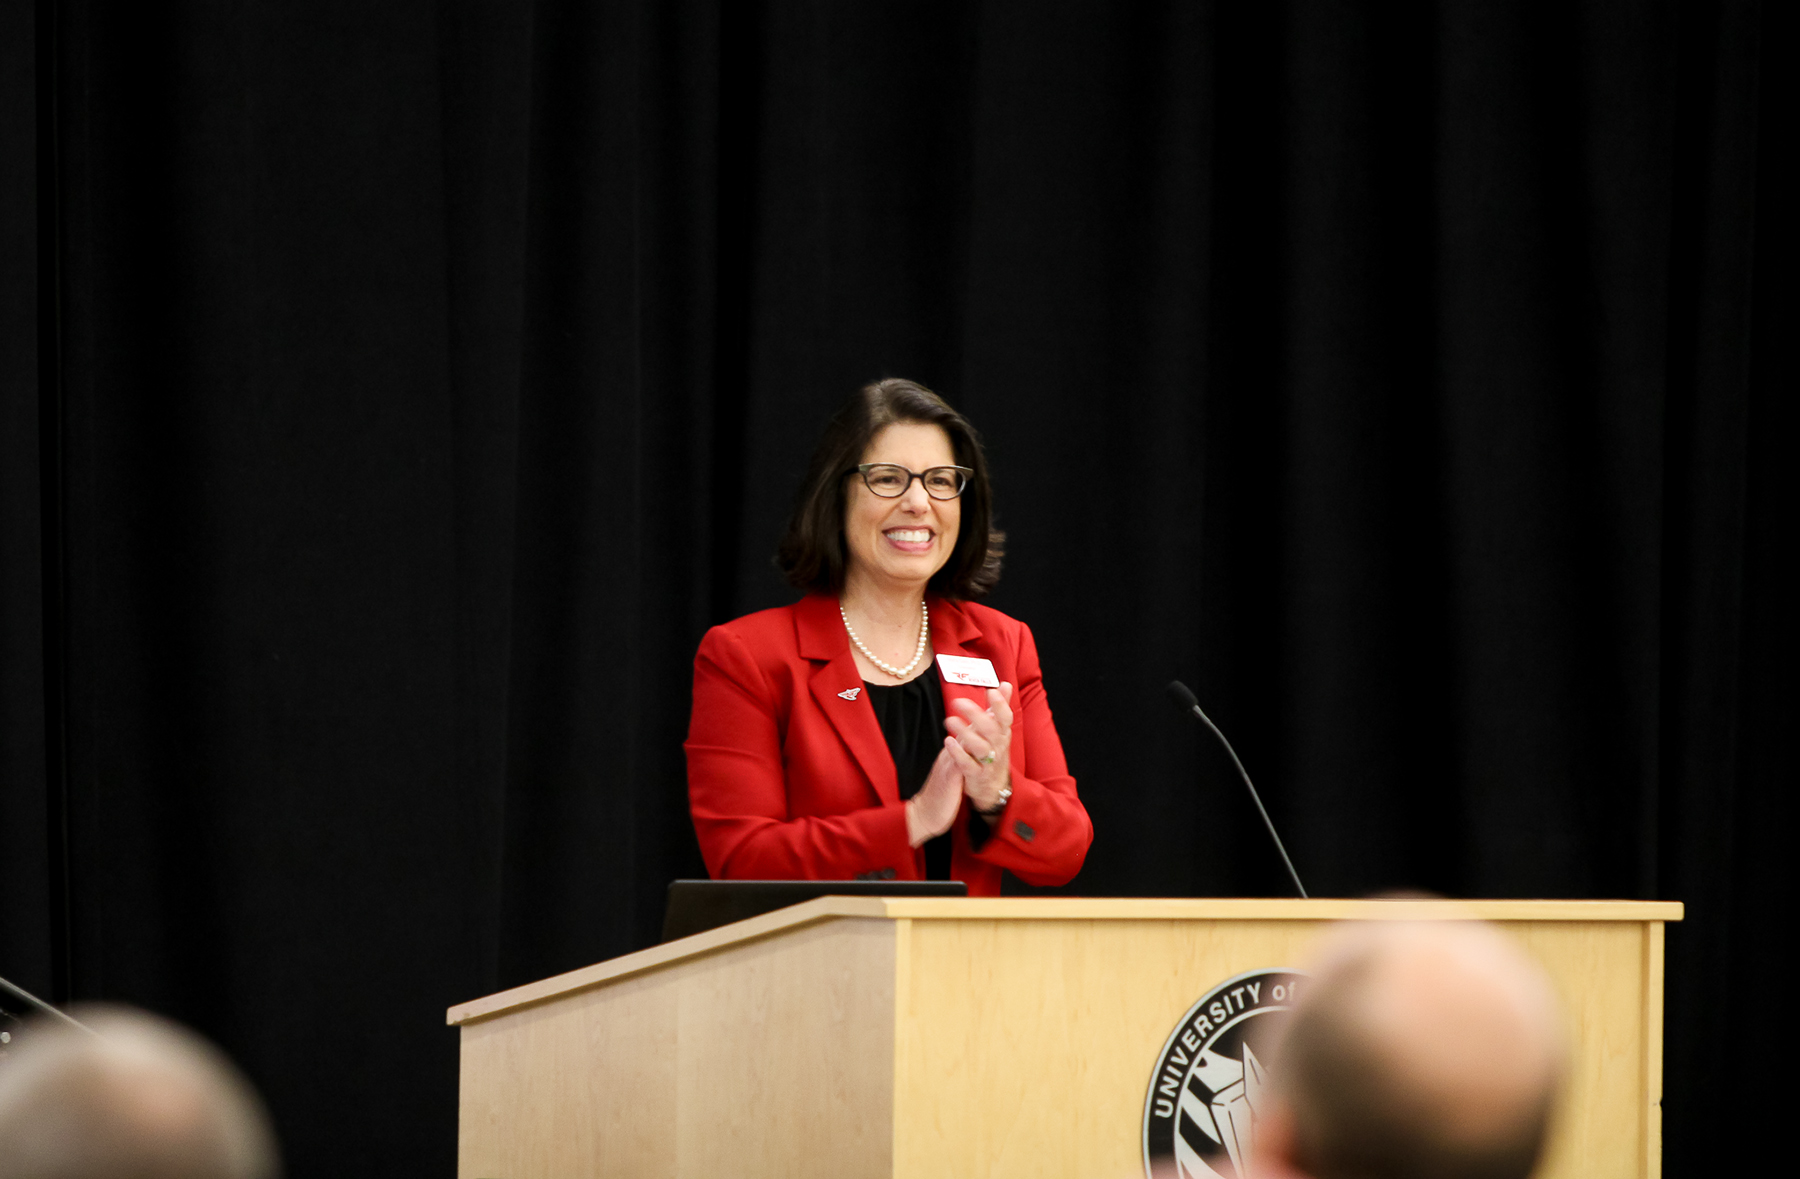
[{"x": 391, "y": 394}]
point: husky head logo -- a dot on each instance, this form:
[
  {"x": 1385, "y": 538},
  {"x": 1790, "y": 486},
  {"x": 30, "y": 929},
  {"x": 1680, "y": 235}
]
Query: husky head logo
[{"x": 1207, "y": 1090}]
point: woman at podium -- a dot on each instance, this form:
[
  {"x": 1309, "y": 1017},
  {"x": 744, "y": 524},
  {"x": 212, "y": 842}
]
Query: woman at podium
[{"x": 885, "y": 726}]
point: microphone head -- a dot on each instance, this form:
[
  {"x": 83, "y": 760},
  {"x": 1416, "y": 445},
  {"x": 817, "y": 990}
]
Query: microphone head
[{"x": 1178, "y": 692}]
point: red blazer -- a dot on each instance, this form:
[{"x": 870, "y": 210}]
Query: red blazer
[{"x": 789, "y": 777}]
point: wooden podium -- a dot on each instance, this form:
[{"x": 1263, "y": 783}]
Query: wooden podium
[{"x": 944, "y": 1037}]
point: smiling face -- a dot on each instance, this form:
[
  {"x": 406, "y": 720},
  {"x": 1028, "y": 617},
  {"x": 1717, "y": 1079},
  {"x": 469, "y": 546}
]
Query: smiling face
[{"x": 900, "y": 543}]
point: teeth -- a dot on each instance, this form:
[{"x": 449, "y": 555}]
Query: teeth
[{"x": 910, "y": 535}]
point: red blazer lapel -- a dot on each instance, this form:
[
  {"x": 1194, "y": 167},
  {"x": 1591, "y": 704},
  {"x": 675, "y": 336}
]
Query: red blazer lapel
[
  {"x": 837, "y": 687},
  {"x": 951, "y": 633}
]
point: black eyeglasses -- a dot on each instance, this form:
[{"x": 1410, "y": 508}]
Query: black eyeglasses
[{"x": 890, "y": 480}]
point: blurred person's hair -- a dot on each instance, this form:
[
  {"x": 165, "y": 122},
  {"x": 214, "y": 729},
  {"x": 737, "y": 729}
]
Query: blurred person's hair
[
  {"x": 132, "y": 1097},
  {"x": 1359, "y": 1113}
]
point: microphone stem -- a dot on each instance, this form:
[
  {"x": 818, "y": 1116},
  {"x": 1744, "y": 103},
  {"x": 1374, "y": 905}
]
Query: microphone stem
[
  {"x": 1257, "y": 799},
  {"x": 21, "y": 995}
]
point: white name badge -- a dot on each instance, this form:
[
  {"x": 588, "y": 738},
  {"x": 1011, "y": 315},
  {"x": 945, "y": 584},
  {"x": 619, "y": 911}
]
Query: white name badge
[{"x": 960, "y": 669}]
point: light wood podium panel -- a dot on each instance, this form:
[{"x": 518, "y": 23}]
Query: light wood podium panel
[{"x": 858, "y": 1036}]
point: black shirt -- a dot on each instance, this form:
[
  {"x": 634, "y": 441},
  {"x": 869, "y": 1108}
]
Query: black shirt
[{"x": 912, "y": 720}]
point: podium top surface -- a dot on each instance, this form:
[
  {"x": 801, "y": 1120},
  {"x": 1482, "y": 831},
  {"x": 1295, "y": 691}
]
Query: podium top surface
[{"x": 1052, "y": 909}]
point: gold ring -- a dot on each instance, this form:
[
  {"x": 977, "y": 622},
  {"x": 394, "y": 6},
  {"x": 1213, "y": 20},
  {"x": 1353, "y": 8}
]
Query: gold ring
[{"x": 989, "y": 759}]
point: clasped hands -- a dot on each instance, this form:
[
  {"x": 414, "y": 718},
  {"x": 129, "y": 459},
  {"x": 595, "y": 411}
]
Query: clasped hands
[{"x": 973, "y": 762}]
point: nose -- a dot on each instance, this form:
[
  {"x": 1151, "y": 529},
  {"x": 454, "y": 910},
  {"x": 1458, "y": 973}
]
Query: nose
[{"x": 914, "y": 498}]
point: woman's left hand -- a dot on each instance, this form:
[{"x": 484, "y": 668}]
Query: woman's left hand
[{"x": 982, "y": 741}]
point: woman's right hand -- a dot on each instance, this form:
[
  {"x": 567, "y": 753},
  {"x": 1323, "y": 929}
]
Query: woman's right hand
[{"x": 930, "y": 812}]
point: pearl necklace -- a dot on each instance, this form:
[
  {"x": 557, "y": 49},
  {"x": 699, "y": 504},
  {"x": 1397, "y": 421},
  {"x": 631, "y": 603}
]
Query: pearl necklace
[{"x": 898, "y": 673}]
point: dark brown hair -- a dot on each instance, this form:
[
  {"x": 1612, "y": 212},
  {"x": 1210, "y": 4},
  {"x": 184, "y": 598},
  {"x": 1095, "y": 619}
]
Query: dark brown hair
[{"x": 813, "y": 553}]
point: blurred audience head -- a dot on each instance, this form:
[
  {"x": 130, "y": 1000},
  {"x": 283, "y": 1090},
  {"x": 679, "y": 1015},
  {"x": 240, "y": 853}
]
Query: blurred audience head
[
  {"x": 1423, "y": 1050},
  {"x": 136, "y": 1097}
]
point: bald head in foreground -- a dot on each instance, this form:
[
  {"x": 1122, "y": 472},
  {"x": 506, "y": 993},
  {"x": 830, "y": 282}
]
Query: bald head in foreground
[
  {"x": 1428, "y": 1050},
  {"x": 140, "y": 1099}
]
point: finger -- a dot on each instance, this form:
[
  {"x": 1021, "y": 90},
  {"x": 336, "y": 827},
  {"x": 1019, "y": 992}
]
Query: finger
[
  {"x": 982, "y": 721},
  {"x": 946, "y": 775},
  {"x": 967, "y": 709},
  {"x": 982, "y": 738},
  {"x": 985, "y": 753},
  {"x": 997, "y": 710},
  {"x": 968, "y": 765},
  {"x": 983, "y": 735},
  {"x": 1000, "y": 704},
  {"x": 968, "y": 737},
  {"x": 965, "y": 734},
  {"x": 983, "y": 771},
  {"x": 990, "y": 730},
  {"x": 984, "y": 798},
  {"x": 939, "y": 767},
  {"x": 947, "y": 761}
]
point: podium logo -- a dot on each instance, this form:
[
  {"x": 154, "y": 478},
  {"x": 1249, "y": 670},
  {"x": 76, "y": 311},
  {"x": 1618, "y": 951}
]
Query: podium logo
[{"x": 1208, "y": 1086}]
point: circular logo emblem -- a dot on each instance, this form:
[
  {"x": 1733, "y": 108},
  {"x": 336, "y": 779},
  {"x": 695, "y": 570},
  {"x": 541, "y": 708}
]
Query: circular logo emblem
[{"x": 1202, "y": 1105}]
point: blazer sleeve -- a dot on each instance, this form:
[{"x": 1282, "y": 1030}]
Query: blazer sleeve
[
  {"x": 737, "y": 786},
  {"x": 1044, "y": 834}
]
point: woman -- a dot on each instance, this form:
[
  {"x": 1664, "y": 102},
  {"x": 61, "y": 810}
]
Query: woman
[{"x": 826, "y": 743}]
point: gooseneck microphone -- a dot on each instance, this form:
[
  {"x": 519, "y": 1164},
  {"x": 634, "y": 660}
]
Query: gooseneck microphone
[
  {"x": 36, "y": 1005},
  {"x": 1179, "y": 693}
]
